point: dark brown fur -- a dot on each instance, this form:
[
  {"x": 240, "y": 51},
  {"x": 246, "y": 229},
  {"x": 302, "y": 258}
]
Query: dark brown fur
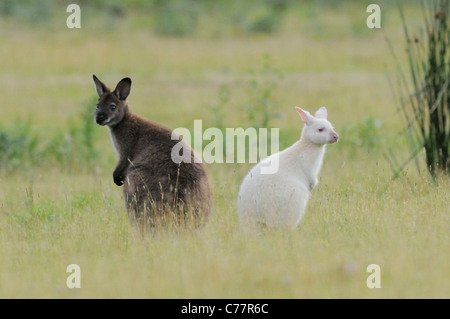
[{"x": 156, "y": 189}]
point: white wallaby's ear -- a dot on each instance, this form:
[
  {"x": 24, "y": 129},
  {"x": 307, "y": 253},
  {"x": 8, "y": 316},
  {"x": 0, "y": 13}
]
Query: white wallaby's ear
[
  {"x": 306, "y": 117},
  {"x": 322, "y": 113}
]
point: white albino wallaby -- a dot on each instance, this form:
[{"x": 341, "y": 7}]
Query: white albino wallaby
[{"x": 279, "y": 200}]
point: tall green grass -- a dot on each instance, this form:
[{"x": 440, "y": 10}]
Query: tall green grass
[{"x": 426, "y": 107}]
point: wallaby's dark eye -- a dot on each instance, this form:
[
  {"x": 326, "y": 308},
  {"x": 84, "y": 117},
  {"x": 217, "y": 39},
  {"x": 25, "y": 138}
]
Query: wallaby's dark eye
[
  {"x": 113, "y": 107},
  {"x": 321, "y": 129},
  {"x": 98, "y": 106}
]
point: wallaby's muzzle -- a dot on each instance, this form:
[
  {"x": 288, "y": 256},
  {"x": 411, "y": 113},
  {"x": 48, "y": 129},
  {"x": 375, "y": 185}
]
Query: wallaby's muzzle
[
  {"x": 334, "y": 137},
  {"x": 100, "y": 118}
]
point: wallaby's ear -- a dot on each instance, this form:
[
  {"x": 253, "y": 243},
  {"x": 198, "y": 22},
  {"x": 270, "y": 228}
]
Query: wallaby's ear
[
  {"x": 322, "y": 113},
  {"x": 100, "y": 87},
  {"x": 123, "y": 88},
  {"x": 306, "y": 117}
]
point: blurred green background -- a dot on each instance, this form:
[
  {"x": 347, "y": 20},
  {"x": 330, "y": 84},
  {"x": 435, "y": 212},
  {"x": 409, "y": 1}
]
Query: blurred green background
[{"x": 229, "y": 63}]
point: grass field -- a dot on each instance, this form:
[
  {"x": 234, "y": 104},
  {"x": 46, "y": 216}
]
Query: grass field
[{"x": 59, "y": 212}]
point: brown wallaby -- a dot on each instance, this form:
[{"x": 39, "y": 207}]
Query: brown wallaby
[{"x": 156, "y": 189}]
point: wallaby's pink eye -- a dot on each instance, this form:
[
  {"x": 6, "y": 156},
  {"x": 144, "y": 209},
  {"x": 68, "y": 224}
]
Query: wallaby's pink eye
[{"x": 321, "y": 129}]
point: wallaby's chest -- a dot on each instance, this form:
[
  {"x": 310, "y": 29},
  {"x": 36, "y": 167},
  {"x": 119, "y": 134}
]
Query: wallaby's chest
[{"x": 115, "y": 142}]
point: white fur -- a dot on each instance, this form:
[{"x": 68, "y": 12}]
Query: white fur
[
  {"x": 114, "y": 142},
  {"x": 279, "y": 200}
]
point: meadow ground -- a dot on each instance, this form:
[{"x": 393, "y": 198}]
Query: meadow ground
[{"x": 56, "y": 213}]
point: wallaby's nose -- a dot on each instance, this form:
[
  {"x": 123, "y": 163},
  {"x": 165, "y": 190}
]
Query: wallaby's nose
[
  {"x": 334, "y": 137},
  {"x": 100, "y": 118}
]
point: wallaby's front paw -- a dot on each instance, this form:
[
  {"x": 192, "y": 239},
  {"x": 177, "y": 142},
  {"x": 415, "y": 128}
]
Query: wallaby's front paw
[{"x": 118, "y": 179}]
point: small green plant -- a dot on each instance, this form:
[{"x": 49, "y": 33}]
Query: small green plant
[
  {"x": 84, "y": 132},
  {"x": 366, "y": 134},
  {"x": 18, "y": 145},
  {"x": 218, "y": 108},
  {"x": 218, "y": 111},
  {"x": 260, "y": 109},
  {"x": 266, "y": 20},
  {"x": 7, "y": 7},
  {"x": 76, "y": 142},
  {"x": 176, "y": 18}
]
